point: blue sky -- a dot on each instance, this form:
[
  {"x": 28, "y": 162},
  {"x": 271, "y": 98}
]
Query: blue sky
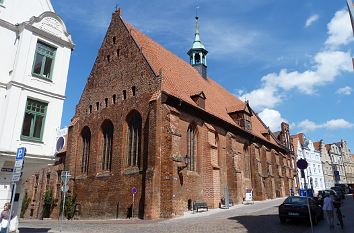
[{"x": 290, "y": 59}]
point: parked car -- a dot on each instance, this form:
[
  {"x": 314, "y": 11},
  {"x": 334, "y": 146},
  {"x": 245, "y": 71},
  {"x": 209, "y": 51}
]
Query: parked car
[
  {"x": 295, "y": 207},
  {"x": 339, "y": 192}
]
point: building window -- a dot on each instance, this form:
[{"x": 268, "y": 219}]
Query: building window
[
  {"x": 114, "y": 99},
  {"x": 90, "y": 109},
  {"x": 107, "y": 133},
  {"x": 44, "y": 60},
  {"x": 108, "y": 58},
  {"x": 191, "y": 147},
  {"x": 106, "y": 102},
  {"x": 133, "y": 90},
  {"x": 86, "y": 141},
  {"x": 124, "y": 94},
  {"x": 134, "y": 139},
  {"x": 33, "y": 122},
  {"x": 114, "y": 40},
  {"x": 118, "y": 52}
]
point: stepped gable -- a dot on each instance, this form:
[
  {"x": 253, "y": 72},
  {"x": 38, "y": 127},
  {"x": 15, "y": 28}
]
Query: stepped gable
[{"x": 181, "y": 80}]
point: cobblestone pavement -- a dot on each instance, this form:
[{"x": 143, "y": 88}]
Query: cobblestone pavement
[{"x": 261, "y": 217}]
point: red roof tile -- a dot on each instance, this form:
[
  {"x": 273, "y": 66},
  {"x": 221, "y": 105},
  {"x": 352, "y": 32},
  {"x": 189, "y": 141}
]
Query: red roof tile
[{"x": 181, "y": 80}]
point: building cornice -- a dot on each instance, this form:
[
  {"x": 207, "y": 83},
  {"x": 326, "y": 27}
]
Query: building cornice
[
  {"x": 18, "y": 28},
  {"x": 8, "y": 25},
  {"x": 47, "y": 35},
  {"x": 33, "y": 89}
]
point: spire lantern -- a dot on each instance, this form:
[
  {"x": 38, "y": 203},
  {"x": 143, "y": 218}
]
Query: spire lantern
[{"x": 197, "y": 54}]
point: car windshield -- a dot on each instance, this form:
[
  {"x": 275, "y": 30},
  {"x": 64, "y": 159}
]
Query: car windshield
[{"x": 295, "y": 200}]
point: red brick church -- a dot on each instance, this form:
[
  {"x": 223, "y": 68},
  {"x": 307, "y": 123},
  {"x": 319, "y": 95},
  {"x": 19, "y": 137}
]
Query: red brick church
[{"x": 148, "y": 119}]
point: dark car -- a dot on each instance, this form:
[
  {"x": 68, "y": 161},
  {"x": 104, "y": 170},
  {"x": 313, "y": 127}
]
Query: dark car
[
  {"x": 296, "y": 208},
  {"x": 339, "y": 192}
]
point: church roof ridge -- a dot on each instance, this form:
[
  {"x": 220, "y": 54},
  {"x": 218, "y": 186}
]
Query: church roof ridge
[{"x": 181, "y": 80}]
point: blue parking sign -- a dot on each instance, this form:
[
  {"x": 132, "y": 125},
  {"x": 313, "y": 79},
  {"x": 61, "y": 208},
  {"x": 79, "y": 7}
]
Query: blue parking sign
[{"x": 20, "y": 153}]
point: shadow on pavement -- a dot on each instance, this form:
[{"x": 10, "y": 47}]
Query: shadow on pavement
[
  {"x": 270, "y": 224},
  {"x": 33, "y": 230}
]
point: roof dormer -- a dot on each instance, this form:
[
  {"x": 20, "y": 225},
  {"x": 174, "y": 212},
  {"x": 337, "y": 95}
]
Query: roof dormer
[
  {"x": 199, "y": 99},
  {"x": 241, "y": 114}
]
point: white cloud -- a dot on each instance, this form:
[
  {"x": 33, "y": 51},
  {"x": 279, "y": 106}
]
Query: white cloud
[
  {"x": 307, "y": 125},
  {"x": 272, "y": 118},
  {"x": 311, "y": 20},
  {"x": 339, "y": 30},
  {"x": 265, "y": 97},
  {"x": 344, "y": 91},
  {"x": 327, "y": 65},
  {"x": 235, "y": 40}
]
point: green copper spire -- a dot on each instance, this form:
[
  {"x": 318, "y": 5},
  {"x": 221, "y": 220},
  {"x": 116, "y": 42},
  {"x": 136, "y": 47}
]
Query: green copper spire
[
  {"x": 197, "y": 54},
  {"x": 197, "y": 44}
]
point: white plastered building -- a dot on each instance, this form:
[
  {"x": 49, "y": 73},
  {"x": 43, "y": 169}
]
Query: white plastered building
[
  {"x": 35, "y": 50},
  {"x": 304, "y": 149}
]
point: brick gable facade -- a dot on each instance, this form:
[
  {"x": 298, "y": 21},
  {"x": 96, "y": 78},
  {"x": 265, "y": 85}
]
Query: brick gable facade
[{"x": 134, "y": 75}]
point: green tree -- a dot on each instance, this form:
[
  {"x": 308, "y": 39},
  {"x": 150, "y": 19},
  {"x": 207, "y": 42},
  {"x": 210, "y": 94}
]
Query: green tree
[
  {"x": 25, "y": 203},
  {"x": 48, "y": 203},
  {"x": 70, "y": 205}
]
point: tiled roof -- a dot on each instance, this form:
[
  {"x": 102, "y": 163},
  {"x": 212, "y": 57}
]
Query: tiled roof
[
  {"x": 317, "y": 145},
  {"x": 181, "y": 80}
]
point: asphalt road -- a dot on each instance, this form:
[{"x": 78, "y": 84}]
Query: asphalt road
[{"x": 261, "y": 217}]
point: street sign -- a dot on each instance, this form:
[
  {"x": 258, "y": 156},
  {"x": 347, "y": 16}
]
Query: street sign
[
  {"x": 17, "y": 170},
  {"x": 302, "y": 164},
  {"x": 20, "y": 153},
  {"x": 64, "y": 189},
  {"x": 134, "y": 190}
]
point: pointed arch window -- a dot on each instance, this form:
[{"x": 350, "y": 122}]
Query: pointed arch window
[
  {"x": 107, "y": 134},
  {"x": 134, "y": 139},
  {"x": 86, "y": 142},
  {"x": 191, "y": 147}
]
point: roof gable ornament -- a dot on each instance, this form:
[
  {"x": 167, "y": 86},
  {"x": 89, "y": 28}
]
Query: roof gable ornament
[{"x": 197, "y": 54}]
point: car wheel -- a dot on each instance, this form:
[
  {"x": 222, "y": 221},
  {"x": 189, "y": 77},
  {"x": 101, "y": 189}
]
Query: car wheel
[{"x": 282, "y": 220}]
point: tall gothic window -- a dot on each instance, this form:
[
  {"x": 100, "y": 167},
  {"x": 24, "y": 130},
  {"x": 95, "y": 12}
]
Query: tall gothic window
[
  {"x": 134, "y": 139},
  {"x": 107, "y": 134},
  {"x": 191, "y": 147},
  {"x": 86, "y": 141}
]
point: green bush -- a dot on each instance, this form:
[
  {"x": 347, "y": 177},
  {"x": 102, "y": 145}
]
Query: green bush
[
  {"x": 25, "y": 203},
  {"x": 48, "y": 203},
  {"x": 70, "y": 205}
]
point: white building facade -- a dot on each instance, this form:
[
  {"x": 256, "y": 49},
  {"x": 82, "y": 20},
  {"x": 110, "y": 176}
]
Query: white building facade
[
  {"x": 314, "y": 173},
  {"x": 327, "y": 165},
  {"x": 337, "y": 158},
  {"x": 35, "y": 51}
]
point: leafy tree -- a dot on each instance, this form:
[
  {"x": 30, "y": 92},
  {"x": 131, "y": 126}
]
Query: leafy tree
[
  {"x": 70, "y": 205},
  {"x": 48, "y": 203},
  {"x": 25, "y": 203}
]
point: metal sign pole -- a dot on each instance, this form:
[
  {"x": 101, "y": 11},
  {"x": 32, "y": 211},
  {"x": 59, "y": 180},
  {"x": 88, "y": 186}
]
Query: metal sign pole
[
  {"x": 12, "y": 202},
  {"x": 133, "y": 206},
  {"x": 65, "y": 175},
  {"x": 308, "y": 204}
]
